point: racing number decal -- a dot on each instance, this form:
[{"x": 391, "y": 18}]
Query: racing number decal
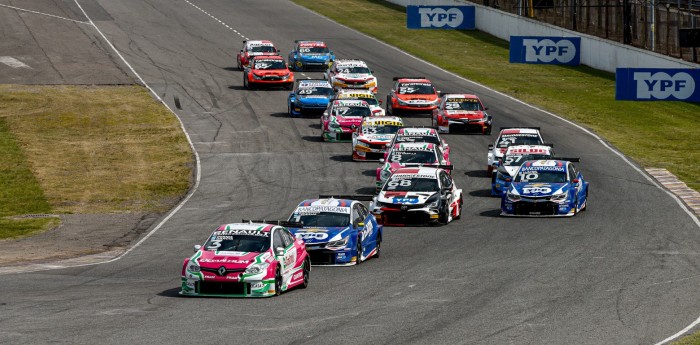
[
  {"x": 511, "y": 159},
  {"x": 529, "y": 175},
  {"x": 261, "y": 65},
  {"x": 403, "y": 183},
  {"x": 214, "y": 245},
  {"x": 452, "y": 105},
  {"x": 304, "y": 50},
  {"x": 306, "y": 91}
]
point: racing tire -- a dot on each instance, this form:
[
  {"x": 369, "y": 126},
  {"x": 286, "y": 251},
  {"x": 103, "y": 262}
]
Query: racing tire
[
  {"x": 278, "y": 282},
  {"x": 240, "y": 66},
  {"x": 434, "y": 123},
  {"x": 289, "y": 109},
  {"x": 307, "y": 270},
  {"x": 389, "y": 110},
  {"x": 459, "y": 208},
  {"x": 585, "y": 203},
  {"x": 576, "y": 206},
  {"x": 379, "y": 247},
  {"x": 359, "y": 250},
  {"x": 443, "y": 215},
  {"x": 245, "y": 82}
]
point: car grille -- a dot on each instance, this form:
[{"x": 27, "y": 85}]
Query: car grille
[
  {"x": 228, "y": 271},
  {"x": 322, "y": 257},
  {"x": 374, "y": 155},
  {"x": 406, "y": 218},
  {"x": 466, "y": 126},
  {"x": 222, "y": 288},
  {"x": 401, "y": 207},
  {"x": 535, "y": 208},
  {"x": 355, "y": 83}
]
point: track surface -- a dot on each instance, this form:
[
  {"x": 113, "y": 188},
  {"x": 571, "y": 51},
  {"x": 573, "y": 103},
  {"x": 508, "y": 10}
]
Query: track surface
[{"x": 624, "y": 272}]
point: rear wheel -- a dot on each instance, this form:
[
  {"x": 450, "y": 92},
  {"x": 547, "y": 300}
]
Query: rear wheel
[
  {"x": 459, "y": 209},
  {"x": 278, "y": 282}
]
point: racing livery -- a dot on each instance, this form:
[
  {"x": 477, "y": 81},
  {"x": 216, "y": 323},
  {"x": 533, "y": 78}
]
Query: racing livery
[
  {"x": 246, "y": 260},
  {"x": 461, "y": 111},
  {"x": 351, "y": 74},
  {"x": 337, "y": 232},
  {"x": 309, "y": 96},
  {"x": 409, "y": 155},
  {"x": 418, "y": 196},
  {"x": 268, "y": 71},
  {"x": 310, "y": 55},
  {"x": 511, "y": 161},
  {"x": 342, "y": 118},
  {"x": 511, "y": 136},
  {"x": 364, "y": 95},
  {"x": 420, "y": 135},
  {"x": 545, "y": 188},
  {"x": 254, "y": 48},
  {"x": 370, "y": 142},
  {"x": 411, "y": 95}
]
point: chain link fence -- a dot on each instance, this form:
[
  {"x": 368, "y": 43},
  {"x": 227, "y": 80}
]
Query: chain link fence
[{"x": 647, "y": 24}]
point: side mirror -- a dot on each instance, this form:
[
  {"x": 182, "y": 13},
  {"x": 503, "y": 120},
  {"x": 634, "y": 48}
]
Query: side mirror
[
  {"x": 576, "y": 180},
  {"x": 486, "y": 108},
  {"x": 381, "y": 160},
  {"x": 279, "y": 251},
  {"x": 508, "y": 179},
  {"x": 380, "y": 102},
  {"x": 490, "y": 146},
  {"x": 359, "y": 224},
  {"x": 197, "y": 247}
]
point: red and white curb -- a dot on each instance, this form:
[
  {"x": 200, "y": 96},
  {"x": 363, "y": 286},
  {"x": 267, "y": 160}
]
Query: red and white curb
[{"x": 689, "y": 196}]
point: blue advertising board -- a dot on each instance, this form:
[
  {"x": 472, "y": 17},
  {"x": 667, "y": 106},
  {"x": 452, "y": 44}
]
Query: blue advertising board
[
  {"x": 657, "y": 84},
  {"x": 441, "y": 17},
  {"x": 545, "y": 50}
]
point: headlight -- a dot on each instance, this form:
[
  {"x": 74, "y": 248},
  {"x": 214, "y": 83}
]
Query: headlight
[
  {"x": 362, "y": 144},
  {"x": 559, "y": 197},
  {"x": 371, "y": 82},
  {"x": 257, "y": 77},
  {"x": 513, "y": 197},
  {"x": 285, "y": 77},
  {"x": 338, "y": 244},
  {"x": 385, "y": 174},
  {"x": 193, "y": 267},
  {"x": 435, "y": 102},
  {"x": 257, "y": 268},
  {"x": 433, "y": 201},
  {"x": 401, "y": 102},
  {"x": 333, "y": 126}
]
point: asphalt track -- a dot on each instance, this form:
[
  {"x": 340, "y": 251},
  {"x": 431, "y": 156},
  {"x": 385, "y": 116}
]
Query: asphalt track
[{"x": 624, "y": 272}]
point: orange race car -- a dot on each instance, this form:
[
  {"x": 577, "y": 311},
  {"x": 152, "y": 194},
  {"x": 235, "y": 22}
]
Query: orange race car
[
  {"x": 411, "y": 94},
  {"x": 268, "y": 71}
]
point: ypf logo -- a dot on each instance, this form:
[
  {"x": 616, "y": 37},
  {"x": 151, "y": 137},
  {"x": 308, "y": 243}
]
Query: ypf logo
[
  {"x": 546, "y": 50},
  {"x": 439, "y": 17},
  {"x": 661, "y": 85}
]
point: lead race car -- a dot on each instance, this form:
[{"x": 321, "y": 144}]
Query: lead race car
[
  {"x": 246, "y": 260},
  {"x": 310, "y": 55},
  {"x": 309, "y": 95},
  {"x": 425, "y": 195},
  {"x": 369, "y": 142},
  {"x": 342, "y": 118},
  {"x": 546, "y": 188},
  {"x": 338, "y": 230},
  {"x": 511, "y": 161}
]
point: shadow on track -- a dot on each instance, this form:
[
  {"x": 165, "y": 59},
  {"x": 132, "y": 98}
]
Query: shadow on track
[{"x": 476, "y": 173}]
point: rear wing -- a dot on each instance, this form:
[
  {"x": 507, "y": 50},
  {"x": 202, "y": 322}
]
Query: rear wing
[
  {"x": 502, "y": 128},
  {"x": 285, "y": 223},
  {"x": 397, "y": 78},
  {"x": 358, "y": 197},
  {"x": 568, "y": 159}
]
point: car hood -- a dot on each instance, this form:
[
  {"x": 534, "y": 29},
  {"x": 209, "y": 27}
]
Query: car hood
[
  {"x": 347, "y": 121},
  {"x": 271, "y": 72},
  {"x": 538, "y": 190},
  {"x": 463, "y": 114},
  {"x": 312, "y": 235},
  {"x": 230, "y": 260},
  {"x": 417, "y": 97},
  {"x": 375, "y": 138},
  {"x": 353, "y": 76},
  {"x": 314, "y": 57},
  {"x": 407, "y": 198},
  {"x": 260, "y": 53}
]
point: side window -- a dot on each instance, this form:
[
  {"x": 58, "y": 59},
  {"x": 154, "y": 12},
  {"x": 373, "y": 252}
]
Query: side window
[
  {"x": 572, "y": 172},
  {"x": 357, "y": 214},
  {"x": 287, "y": 238},
  {"x": 277, "y": 241},
  {"x": 440, "y": 156},
  {"x": 445, "y": 180},
  {"x": 364, "y": 211}
]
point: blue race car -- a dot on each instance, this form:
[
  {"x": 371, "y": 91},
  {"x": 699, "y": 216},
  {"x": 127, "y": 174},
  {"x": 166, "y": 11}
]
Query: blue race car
[
  {"x": 310, "y": 95},
  {"x": 337, "y": 232},
  {"x": 545, "y": 188},
  {"x": 509, "y": 164},
  {"x": 310, "y": 55}
]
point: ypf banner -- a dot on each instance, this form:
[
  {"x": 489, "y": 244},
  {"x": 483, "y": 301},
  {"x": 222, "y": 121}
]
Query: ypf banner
[
  {"x": 441, "y": 17},
  {"x": 545, "y": 50},
  {"x": 657, "y": 84}
]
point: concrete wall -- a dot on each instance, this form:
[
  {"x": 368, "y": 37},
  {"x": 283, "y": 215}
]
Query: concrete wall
[{"x": 596, "y": 52}]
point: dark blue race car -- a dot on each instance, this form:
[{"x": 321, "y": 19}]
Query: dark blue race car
[
  {"x": 545, "y": 188},
  {"x": 309, "y": 96},
  {"x": 337, "y": 232},
  {"x": 310, "y": 55}
]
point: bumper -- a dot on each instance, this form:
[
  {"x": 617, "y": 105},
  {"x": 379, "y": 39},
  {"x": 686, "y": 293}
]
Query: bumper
[
  {"x": 472, "y": 127},
  {"x": 363, "y": 153},
  {"x": 338, "y": 137},
  {"x": 413, "y": 108},
  {"x": 301, "y": 109},
  {"x": 301, "y": 65},
  {"x": 416, "y": 216},
  {"x": 536, "y": 209},
  {"x": 352, "y": 86},
  {"x": 327, "y": 257},
  {"x": 253, "y": 288}
]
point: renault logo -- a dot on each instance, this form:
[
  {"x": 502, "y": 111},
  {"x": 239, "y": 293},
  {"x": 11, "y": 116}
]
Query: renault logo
[{"x": 222, "y": 271}]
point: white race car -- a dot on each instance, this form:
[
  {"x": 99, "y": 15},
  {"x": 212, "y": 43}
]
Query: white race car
[
  {"x": 351, "y": 74},
  {"x": 370, "y": 141},
  {"x": 365, "y": 95},
  {"x": 509, "y": 136}
]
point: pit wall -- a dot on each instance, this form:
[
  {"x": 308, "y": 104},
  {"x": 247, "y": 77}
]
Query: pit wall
[{"x": 596, "y": 52}]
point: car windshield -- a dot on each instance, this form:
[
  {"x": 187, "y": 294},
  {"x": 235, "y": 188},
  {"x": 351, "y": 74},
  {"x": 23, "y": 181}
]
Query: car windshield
[
  {"x": 354, "y": 70},
  {"x": 269, "y": 64},
  {"x": 380, "y": 129},
  {"x": 517, "y": 160},
  {"x": 262, "y": 49},
  {"x": 542, "y": 176},
  {"x": 313, "y": 50},
  {"x": 322, "y": 219},
  {"x": 423, "y": 157},
  {"x": 352, "y": 111},
  {"x": 416, "y": 184},
  {"x": 416, "y": 89},
  {"x": 220, "y": 241},
  {"x": 315, "y": 91},
  {"x": 467, "y": 104},
  {"x": 430, "y": 139},
  {"x": 518, "y": 139}
]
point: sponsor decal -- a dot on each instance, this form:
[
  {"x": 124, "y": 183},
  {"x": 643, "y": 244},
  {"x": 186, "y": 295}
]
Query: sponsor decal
[
  {"x": 312, "y": 235},
  {"x": 219, "y": 233},
  {"x": 412, "y": 200},
  {"x": 304, "y": 84},
  {"x": 543, "y": 168},
  {"x": 545, "y": 50},
  {"x": 224, "y": 260},
  {"x": 649, "y": 84},
  {"x": 410, "y": 176},
  {"x": 297, "y": 275},
  {"x": 536, "y": 190},
  {"x": 257, "y": 286},
  {"x": 319, "y": 209},
  {"x": 441, "y": 17}
]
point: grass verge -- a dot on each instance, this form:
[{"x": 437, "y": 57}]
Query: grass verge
[
  {"x": 655, "y": 134},
  {"x": 693, "y": 339},
  {"x": 86, "y": 149}
]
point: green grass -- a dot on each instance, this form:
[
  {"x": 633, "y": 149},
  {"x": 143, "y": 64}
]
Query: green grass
[
  {"x": 655, "y": 134},
  {"x": 693, "y": 339},
  {"x": 86, "y": 149}
]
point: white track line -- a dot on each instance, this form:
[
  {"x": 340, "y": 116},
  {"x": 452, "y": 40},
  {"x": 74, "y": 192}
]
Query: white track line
[
  {"x": 218, "y": 20},
  {"x": 43, "y": 14},
  {"x": 680, "y": 203}
]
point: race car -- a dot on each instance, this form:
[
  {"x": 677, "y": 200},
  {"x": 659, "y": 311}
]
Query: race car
[
  {"x": 511, "y": 136},
  {"x": 246, "y": 260},
  {"x": 409, "y": 155},
  {"x": 254, "y": 48},
  {"x": 309, "y": 96},
  {"x": 310, "y": 55},
  {"x": 418, "y": 196},
  {"x": 338, "y": 230},
  {"x": 411, "y": 94},
  {"x": 461, "y": 111},
  {"x": 545, "y": 188},
  {"x": 351, "y": 74},
  {"x": 341, "y": 119},
  {"x": 364, "y": 95},
  {"x": 268, "y": 71},
  {"x": 420, "y": 135},
  {"x": 511, "y": 161},
  {"x": 369, "y": 142}
]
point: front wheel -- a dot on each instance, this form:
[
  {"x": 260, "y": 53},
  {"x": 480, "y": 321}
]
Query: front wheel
[
  {"x": 307, "y": 270},
  {"x": 389, "y": 109},
  {"x": 245, "y": 82},
  {"x": 443, "y": 215},
  {"x": 278, "y": 282},
  {"x": 359, "y": 250},
  {"x": 379, "y": 247}
]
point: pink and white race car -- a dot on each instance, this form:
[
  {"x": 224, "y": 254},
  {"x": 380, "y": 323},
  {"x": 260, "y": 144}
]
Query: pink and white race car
[{"x": 342, "y": 118}]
